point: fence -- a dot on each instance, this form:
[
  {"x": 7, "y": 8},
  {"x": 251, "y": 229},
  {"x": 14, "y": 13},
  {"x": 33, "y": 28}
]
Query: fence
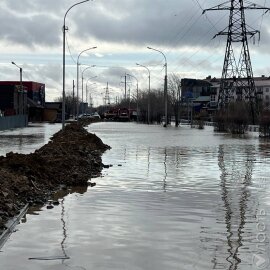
[{"x": 15, "y": 121}]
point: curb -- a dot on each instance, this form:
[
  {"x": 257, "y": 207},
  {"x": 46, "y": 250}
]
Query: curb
[{"x": 11, "y": 224}]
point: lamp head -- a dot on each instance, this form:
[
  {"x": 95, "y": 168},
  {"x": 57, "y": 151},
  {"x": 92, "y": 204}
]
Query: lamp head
[{"x": 13, "y": 63}]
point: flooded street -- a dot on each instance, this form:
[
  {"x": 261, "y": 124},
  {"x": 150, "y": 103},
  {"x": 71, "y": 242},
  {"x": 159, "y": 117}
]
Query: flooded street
[
  {"x": 26, "y": 140},
  {"x": 174, "y": 198}
]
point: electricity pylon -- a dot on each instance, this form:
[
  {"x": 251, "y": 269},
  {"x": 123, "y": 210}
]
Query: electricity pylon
[
  {"x": 237, "y": 76},
  {"x": 107, "y": 96}
]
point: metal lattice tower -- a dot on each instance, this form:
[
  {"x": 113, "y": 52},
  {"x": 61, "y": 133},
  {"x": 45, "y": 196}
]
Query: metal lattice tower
[
  {"x": 107, "y": 96},
  {"x": 237, "y": 77}
]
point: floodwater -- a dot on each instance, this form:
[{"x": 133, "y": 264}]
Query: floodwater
[
  {"x": 174, "y": 198},
  {"x": 26, "y": 140}
]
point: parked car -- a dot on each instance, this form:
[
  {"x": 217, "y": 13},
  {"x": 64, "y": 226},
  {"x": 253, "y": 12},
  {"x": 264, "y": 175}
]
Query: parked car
[{"x": 95, "y": 116}]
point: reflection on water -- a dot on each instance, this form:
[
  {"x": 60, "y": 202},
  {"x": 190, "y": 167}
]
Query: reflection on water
[
  {"x": 236, "y": 176},
  {"x": 175, "y": 198},
  {"x": 165, "y": 169},
  {"x": 26, "y": 140}
]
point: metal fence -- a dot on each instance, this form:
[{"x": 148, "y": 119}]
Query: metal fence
[{"x": 15, "y": 121}]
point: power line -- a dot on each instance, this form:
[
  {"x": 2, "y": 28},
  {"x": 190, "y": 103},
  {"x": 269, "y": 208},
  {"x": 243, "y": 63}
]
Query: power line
[{"x": 70, "y": 54}]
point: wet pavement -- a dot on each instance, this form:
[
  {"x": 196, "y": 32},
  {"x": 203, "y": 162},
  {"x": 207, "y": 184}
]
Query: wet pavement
[{"x": 174, "y": 198}]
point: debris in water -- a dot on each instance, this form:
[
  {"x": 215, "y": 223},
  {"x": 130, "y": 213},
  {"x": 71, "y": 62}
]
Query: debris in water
[
  {"x": 50, "y": 258},
  {"x": 92, "y": 184}
]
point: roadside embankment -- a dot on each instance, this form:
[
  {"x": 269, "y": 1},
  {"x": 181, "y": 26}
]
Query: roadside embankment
[{"x": 71, "y": 158}]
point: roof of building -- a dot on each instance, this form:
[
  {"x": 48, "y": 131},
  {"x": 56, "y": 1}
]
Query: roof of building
[
  {"x": 31, "y": 85},
  {"x": 202, "y": 99},
  {"x": 194, "y": 82},
  {"x": 53, "y": 105}
]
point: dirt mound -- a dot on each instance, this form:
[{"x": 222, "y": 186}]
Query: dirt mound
[{"x": 71, "y": 158}]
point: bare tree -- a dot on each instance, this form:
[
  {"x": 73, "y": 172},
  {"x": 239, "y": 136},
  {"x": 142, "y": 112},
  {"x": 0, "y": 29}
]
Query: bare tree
[
  {"x": 71, "y": 103},
  {"x": 174, "y": 87}
]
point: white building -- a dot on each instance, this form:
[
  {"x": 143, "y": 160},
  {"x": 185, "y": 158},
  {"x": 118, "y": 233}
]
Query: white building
[{"x": 262, "y": 85}]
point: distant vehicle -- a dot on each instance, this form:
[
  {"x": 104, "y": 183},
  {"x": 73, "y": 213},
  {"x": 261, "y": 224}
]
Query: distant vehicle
[
  {"x": 83, "y": 115},
  {"x": 95, "y": 116}
]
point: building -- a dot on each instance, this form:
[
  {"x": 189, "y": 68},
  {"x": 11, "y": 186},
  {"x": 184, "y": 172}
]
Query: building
[
  {"x": 13, "y": 101},
  {"x": 52, "y": 112},
  {"x": 262, "y": 85},
  {"x": 193, "y": 88},
  {"x": 204, "y": 93},
  {"x": 30, "y": 100}
]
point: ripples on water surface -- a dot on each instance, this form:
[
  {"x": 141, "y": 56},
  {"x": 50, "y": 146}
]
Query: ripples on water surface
[
  {"x": 26, "y": 140},
  {"x": 175, "y": 198}
]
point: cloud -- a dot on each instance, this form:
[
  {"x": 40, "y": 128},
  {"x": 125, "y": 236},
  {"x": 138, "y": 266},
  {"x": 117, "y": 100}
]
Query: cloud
[
  {"x": 34, "y": 30},
  {"x": 134, "y": 22},
  {"x": 121, "y": 29}
]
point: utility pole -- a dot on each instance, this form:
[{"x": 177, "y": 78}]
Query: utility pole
[
  {"x": 125, "y": 86},
  {"x": 91, "y": 103},
  {"x": 149, "y": 89},
  {"x": 177, "y": 120},
  {"x": 82, "y": 98},
  {"x": 64, "y": 64},
  {"x": 237, "y": 75},
  {"x": 165, "y": 86},
  {"x": 73, "y": 99}
]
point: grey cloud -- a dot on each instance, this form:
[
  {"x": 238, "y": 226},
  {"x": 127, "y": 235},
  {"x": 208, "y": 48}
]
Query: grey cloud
[
  {"x": 198, "y": 64},
  {"x": 170, "y": 23},
  {"x": 30, "y": 6},
  {"x": 113, "y": 75},
  {"x": 30, "y": 31},
  {"x": 166, "y": 23}
]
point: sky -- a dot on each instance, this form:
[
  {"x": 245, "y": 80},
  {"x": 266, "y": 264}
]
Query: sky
[{"x": 31, "y": 36}]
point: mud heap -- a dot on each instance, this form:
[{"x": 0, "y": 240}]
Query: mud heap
[{"x": 71, "y": 158}]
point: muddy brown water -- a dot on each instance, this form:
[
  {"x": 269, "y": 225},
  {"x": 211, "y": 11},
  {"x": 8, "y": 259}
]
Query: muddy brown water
[{"x": 175, "y": 198}]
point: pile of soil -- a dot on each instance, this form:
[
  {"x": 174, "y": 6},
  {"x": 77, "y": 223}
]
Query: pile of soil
[{"x": 71, "y": 158}]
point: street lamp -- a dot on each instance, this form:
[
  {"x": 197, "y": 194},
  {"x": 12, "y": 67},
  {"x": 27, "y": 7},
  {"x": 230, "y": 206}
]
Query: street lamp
[
  {"x": 20, "y": 105},
  {"x": 87, "y": 91},
  {"x": 78, "y": 78},
  {"x": 90, "y": 84},
  {"x": 137, "y": 104},
  {"x": 83, "y": 78},
  {"x": 64, "y": 62},
  {"x": 148, "y": 103},
  {"x": 165, "y": 87},
  {"x": 89, "y": 80}
]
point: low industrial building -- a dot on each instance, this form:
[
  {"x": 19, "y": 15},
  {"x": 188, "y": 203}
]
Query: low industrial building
[
  {"x": 28, "y": 100},
  {"x": 52, "y": 112},
  {"x": 21, "y": 102}
]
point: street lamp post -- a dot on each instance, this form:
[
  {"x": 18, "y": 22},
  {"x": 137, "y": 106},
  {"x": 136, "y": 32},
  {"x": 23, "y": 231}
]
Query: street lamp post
[
  {"x": 20, "y": 103},
  {"x": 78, "y": 78},
  {"x": 83, "y": 78},
  {"x": 64, "y": 63},
  {"x": 165, "y": 86},
  {"x": 137, "y": 100},
  {"x": 90, "y": 92},
  {"x": 148, "y": 103}
]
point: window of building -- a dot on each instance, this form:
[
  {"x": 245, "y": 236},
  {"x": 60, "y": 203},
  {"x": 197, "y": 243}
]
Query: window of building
[{"x": 267, "y": 90}]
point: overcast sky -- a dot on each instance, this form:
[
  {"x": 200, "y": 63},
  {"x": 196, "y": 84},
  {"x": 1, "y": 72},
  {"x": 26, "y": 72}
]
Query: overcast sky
[{"x": 31, "y": 36}]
